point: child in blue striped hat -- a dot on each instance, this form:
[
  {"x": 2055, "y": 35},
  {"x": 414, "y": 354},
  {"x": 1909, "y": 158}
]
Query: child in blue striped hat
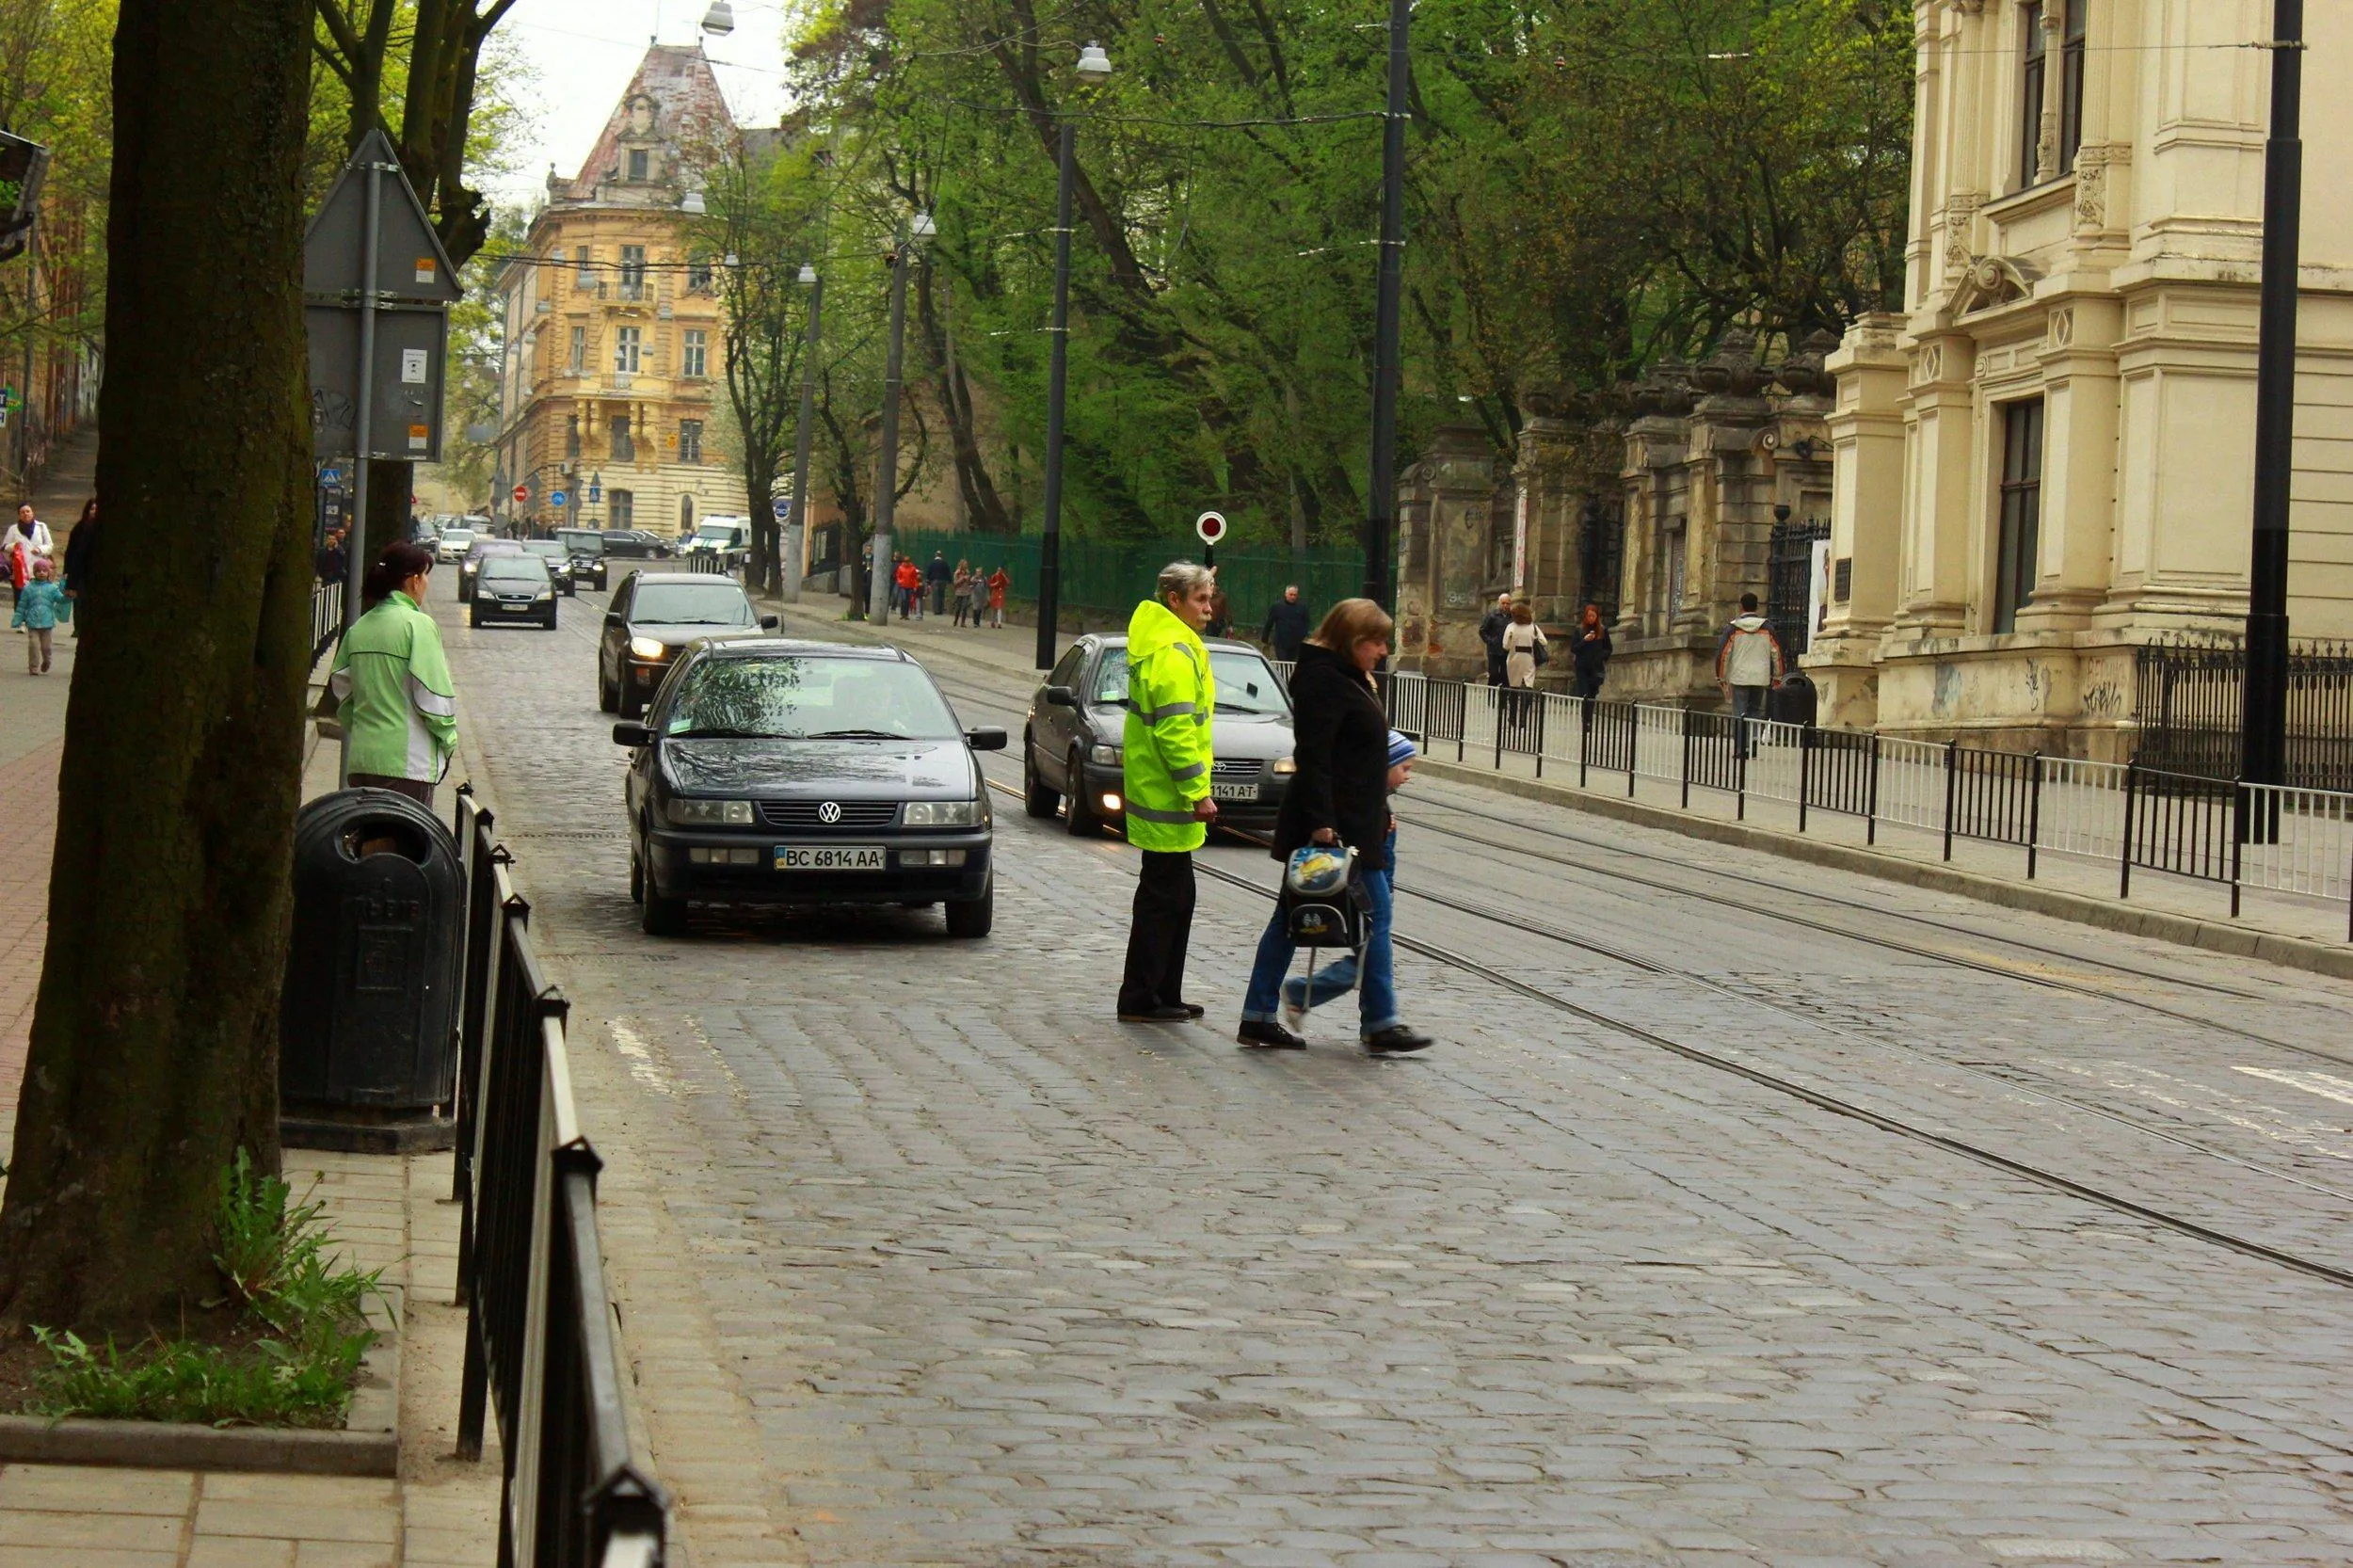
[{"x": 1338, "y": 978}]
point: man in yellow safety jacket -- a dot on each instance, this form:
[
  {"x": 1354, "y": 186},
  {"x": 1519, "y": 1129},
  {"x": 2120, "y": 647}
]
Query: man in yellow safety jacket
[{"x": 1166, "y": 785}]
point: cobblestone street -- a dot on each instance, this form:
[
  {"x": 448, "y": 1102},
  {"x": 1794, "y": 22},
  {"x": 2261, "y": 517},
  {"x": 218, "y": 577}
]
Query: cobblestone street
[{"x": 922, "y": 1258}]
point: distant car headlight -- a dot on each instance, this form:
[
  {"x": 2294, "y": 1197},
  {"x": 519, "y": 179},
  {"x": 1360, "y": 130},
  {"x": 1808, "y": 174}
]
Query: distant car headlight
[
  {"x": 711, "y": 813},
  {"x": 646, "y": 647},
  {"x": 1289, "y": 764},
  {"x": 943, "y": 813},
  {"x": 548, "y": 592},
  {"x": 1108, "y": 756}
]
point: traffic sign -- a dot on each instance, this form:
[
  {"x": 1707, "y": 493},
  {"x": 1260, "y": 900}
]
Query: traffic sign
[
  {"x": 781, "y": 505},
  {"x": 555, "y": 498},
  {"x": 596, "y": 493},
  {"x": 330, "y": 478},
  {"x": 1211, "y": 526},
  {"x": 523, "y": 493}
]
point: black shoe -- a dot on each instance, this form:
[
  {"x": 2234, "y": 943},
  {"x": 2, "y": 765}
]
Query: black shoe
[
  {"x": 1269, "y": 1036},
  {"x": 1396, "y": 1040},
  {"x": 1192, "y": 1009},
  {"x": 1158, "y": 1015}
]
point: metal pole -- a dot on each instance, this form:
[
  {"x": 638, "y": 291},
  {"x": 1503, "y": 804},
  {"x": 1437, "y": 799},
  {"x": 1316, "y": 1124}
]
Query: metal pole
[
  {"x": 2263, "y": 711},
  {"x": 887, "y": 480},
  {"x": 1381, "y": 501},
  {"x": 797, "y": 532},
  {"x": 362, "y": 437},
  {"x": 1057, "y": 384}
]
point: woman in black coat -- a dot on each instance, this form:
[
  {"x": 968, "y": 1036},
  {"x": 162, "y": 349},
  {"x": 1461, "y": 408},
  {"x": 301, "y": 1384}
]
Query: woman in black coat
[{"x": 1340, "y": 795}]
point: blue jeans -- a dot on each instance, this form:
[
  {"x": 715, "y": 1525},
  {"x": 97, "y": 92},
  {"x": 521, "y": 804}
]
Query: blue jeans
[
  {"x": 1374, "y": 979},
  {"x": 1748, "y": 704}
]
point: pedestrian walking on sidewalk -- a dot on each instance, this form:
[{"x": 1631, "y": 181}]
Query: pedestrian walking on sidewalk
[
  {"x": 1373, "y": 964},
  {"x": 960, "y": 589},
  {"x": 1491, "y": 629},
  {"x": 997, "y": 583},
  {"x": 910, "y": 580},
  {"x": 1591, "y": 648},
  {"x": 1338, "y": 797},
  {"x": 390, "y": 691},
  {"x": 1164, "y": 778},
  {"x": 81, "y": 558},
  {"x": 1287, "y": 625},
  {"x": 1524, "y": 650},
  {"x": 936, "y": 576},
  {"x": 40, "y": 607},
  {"x": 1747, "y": 665},
  {"x": 978, "y": 589}
]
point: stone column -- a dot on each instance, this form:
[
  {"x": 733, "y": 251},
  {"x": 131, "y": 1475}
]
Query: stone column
[
  {"x": 1866, "y": 433},
  {"x": 1450, "y": 494},
  {"x": 2074, "y": 548},
  {"x": 1940, "y": 519},
  {"x": 1552, "y": 486},
  {"x": 1729, "y": 531}
]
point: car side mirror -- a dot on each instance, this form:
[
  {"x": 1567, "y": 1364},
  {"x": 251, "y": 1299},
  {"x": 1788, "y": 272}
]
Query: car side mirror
[
  {"x": 1061, "y": 696},
  {"x": 633, "y": 735},
  {"x": 988, "y": 738},
  {"x": 768, "y": 623}
]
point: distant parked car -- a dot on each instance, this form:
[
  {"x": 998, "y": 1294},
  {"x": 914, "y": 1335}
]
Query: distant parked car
[{"x": 637, "y": 544}]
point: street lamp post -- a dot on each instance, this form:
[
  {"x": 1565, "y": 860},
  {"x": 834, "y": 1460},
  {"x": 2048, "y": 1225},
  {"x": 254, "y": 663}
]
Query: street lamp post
[
  {"x": 797, "y": 532},
  {"x": 2263, "y": 704},
  {"x": 1381, "y": 505},
  {"x": 887, "y": 475},
  {"x": 1093, "y": 65}
]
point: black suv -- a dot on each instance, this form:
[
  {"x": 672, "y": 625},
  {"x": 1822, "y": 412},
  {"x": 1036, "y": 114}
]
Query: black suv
[
  {"x": 653, "y": 615},
  {"x": 780, "y": 772},
  {"x": 584, "y": 549}
]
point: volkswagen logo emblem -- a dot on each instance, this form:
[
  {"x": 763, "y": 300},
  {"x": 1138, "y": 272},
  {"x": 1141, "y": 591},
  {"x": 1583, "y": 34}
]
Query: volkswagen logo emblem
[{"x": 829, "y": 813}]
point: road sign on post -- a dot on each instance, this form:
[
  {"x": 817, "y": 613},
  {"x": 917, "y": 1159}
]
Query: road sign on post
[
  {"x": 556, "y": 498},
  {"x": 523, "y": 494}
]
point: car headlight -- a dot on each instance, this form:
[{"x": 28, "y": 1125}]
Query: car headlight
[
  {"x": 1289, "y": 764},
  {"x": 646, "y": 647},
  {"x": 711, "y": 813},
  {"x": 548, "y": 592},
  {"x": 1108, "y": 756},
  {"x": 943, "y": 813}
]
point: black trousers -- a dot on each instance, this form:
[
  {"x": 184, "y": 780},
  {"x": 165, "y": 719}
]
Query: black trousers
[{"x": 1157, "y": 933}]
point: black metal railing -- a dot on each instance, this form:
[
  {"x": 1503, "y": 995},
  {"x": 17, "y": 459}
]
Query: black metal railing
[
  {"x": 2187, "y": 697},
  {"x": 1788, "y": 577},
  {"x": 573, "y": 1494},
  {"x": 327, "y": 616},
  {"x": 2136, "y": 817}
]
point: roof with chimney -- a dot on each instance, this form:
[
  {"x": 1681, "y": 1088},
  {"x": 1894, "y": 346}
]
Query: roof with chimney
[{"x": 674, "y": 114}]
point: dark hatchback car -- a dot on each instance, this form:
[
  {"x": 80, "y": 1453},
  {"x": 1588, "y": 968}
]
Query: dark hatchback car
[
  {"x": 637, "y": 544},
  {"x": 509, "y": 589},
  {"x": 772, "y": 771},
  {"x": 1071, "y": 746},
  {"x": 584, "y": 549},
  {"x": 652, "y": 617}
]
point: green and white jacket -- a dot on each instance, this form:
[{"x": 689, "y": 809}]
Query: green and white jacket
[{"x": 392, "y": 691}]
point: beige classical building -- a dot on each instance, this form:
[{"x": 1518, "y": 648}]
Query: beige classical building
[
  {"x": 614, "y": 376},
  {"x": 2047, "y": 458}
]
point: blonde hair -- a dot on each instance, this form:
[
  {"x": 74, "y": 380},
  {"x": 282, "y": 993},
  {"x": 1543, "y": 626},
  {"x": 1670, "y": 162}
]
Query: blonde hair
[{"x": 1350, "y": 622}]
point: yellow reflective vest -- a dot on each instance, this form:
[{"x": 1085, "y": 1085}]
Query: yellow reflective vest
[{"x": 1165, "y": 751}]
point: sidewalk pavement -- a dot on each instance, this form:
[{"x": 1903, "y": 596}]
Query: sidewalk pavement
[
  {"x": 391, "y": 1212},
  {"x": 2166, "y": 907}
]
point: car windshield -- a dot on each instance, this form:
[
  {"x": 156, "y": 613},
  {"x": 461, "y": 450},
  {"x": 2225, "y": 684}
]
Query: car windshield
[
  {"x": 803, "y": 697},
  {"x": 514, "y": 569},
  {"x": 1246, "y": 682},
  {"x": 581, "y": 541},
  {"x": 458, "y": 536},
  {"x": 706, "y": 604},
  {"x": 550, "y": 548},
  {"x": 722, "y": 534}
]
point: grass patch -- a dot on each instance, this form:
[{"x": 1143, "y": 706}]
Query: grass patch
[{"x": 292, "y": 1363}]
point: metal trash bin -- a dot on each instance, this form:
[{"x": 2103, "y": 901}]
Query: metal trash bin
[
  {"x": 1792, "y": 701},
  {"x": 367, "y": 1015}
]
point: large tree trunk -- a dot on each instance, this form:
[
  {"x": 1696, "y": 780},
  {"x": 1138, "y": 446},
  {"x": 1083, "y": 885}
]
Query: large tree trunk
[{"x": 154, "y": 1051}]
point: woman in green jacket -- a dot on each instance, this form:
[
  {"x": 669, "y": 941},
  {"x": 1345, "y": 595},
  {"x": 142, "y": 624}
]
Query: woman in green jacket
[{"x": 390, "y": 689}]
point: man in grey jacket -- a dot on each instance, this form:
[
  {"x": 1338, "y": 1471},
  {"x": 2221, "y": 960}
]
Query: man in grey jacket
[{"x": 1748, "y": 664}]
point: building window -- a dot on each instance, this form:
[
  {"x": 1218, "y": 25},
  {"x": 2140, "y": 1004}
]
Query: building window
[
  {"x": 2030, "y": 77},
  {"x": 632, "y": 272},
  {"x": 685, "y": 514},
  {"x": 694, "y": 354},
  {"x": 640, "y": 163},
  {"x": 698, "y": 275},
  {"x": 571, "y": 435},
  {"x": 690, "y": 441},
  {"x": 625, "y": 341},
  {"x": 2070, "y": 126},
  {"x": 624, "y": 445},
  {"x": 2021, "y": 511},
  {"x": 580, "y": 349},
  {"x": 621, "y": 509},
  {"x": 583, "y": 274},
  {"x": 1670, "y": 542}
]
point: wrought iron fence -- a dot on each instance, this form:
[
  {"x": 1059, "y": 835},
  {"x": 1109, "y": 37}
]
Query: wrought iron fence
[
  {"x": 2297, "y": 841},
  {"x": 2187, "y": 697},
  {"x": 539, "y": 1350},
  {"x": 327, "y": 616},
  {"x": 1789, "y": 570}
]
